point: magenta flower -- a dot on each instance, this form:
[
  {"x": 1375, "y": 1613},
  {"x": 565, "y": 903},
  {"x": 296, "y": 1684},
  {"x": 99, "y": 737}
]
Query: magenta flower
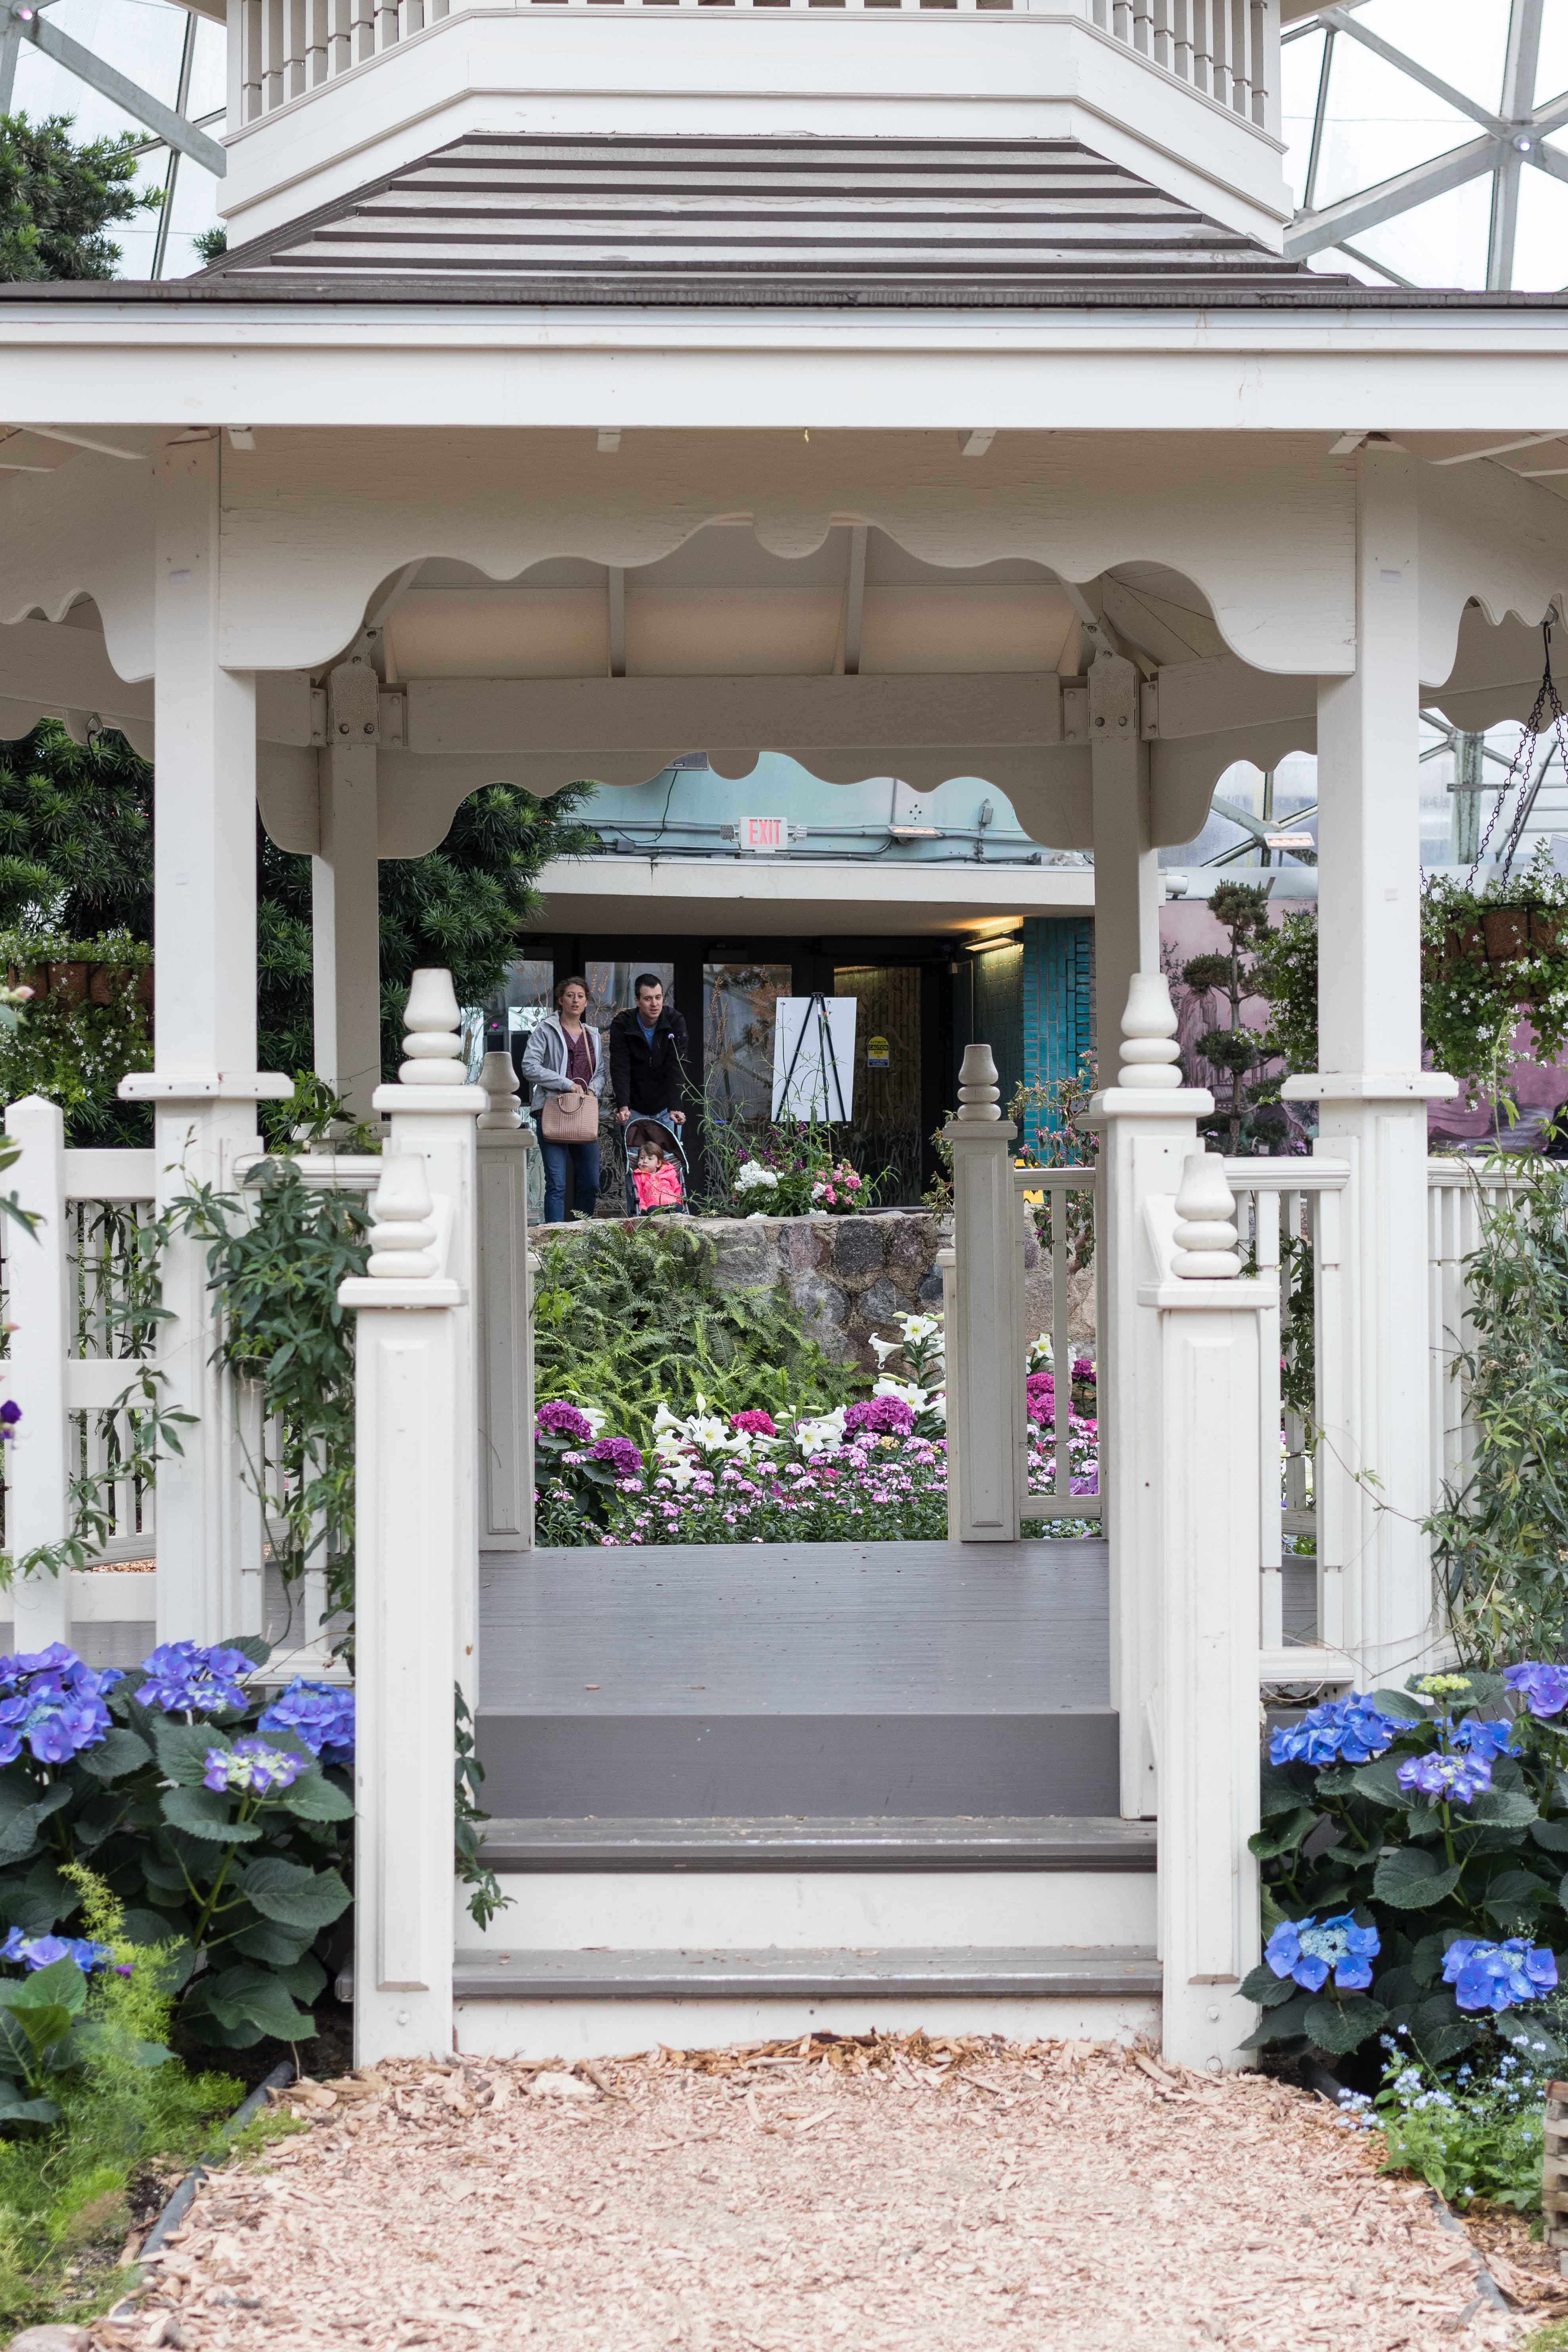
[{"x": 559, "y": 1419}]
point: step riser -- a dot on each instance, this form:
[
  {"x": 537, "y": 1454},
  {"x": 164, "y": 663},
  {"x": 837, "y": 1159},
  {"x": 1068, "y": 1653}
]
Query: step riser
[
  {"x": 622, "y": 2026},
  {"x": 806, "y": 1910},
  {"x": 707, "y": 1765}
]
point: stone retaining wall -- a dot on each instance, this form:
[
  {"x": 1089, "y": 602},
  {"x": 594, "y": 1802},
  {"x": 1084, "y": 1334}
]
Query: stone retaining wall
[{"x": 848, "y": 1277}]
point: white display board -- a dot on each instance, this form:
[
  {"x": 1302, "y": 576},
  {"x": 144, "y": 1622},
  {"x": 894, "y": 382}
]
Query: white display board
[{"x": 813, "y": 1057}]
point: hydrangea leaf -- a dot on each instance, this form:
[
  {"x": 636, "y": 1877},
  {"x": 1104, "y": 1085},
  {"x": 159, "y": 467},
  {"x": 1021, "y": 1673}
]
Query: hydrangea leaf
[
  {"x": 1338, "y": 2026},
  {"x": 249, "y": 1997},
  {"x": 304, "y": 1977},
  {"x": 1410, "y": 1879},
  {"x": 1427, "y": 1956},
  {"x": 1284, "y": 1836},
  {"x": 1552, "y": 1835},
  {"x": 249, "y": 1645},
  {"x": 1501, "y": 1808},
  {"x": 15, "y": 2109},
  {"x": 294, "y": 1896},
  {"x": 208, "y": 1814},
  {"x": 182, "y": 1750},
  {"x": 275, "y": 1947},
  {"x": 1285, "y": 2023},
  {"x": 1379, "y": 1781},
  {"x": 1525, "y": 2030},
  {"x": 59, "y": 1986},
  {"x": 116, "y": 1754},
  {"x": 314, "y": 1798},
  {"x": 1403, "y": 1705},
  {"x": 1263, "y": 1986}
]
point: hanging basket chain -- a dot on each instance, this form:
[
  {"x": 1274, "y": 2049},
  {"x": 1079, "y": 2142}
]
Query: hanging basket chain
[{"x": 1547, "y": 710}]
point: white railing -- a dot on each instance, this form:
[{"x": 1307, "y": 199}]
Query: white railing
[
  {"x": 1458, "y": 1194},
  {"x": 1225, "y": 50},
  {"x": 1069, "y": 1200}
]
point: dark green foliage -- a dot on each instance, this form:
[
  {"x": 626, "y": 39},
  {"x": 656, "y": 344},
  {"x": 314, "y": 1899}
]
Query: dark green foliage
[
  {"x": 75, "y": 1049},
  {"x": 628, "y": 1319},
  {"x": 1347, "y": 1838},
  {"x": 1247, "y": 1118},
  {"x": 57, "y": 198},
  {"x": 212, "y": 244},
  {"x": 76, "y": 856},
  {"x": 1285, "y": 970},
  {"x": 1500, "y": 1538}
]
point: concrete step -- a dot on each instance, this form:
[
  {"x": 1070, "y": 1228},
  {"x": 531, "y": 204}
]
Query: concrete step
[
  {"x": 849, "y": 1842},
  {"x": 571, "y": 2004}
]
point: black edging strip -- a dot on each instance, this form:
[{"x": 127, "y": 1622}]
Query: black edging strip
[
  {"x": 1329, "y": 2086},
  {"x": 180, "y": 2204}
]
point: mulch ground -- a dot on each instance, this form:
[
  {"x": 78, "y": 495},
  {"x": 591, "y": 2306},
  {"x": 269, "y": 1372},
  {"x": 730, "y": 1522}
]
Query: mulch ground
[{"x": 886, "y": 2193}]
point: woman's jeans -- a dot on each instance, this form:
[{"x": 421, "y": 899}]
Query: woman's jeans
[{"x": 584, "y": 1158}]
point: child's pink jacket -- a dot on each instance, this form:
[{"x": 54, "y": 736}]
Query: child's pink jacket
[{"x": 657, "y": 1188}]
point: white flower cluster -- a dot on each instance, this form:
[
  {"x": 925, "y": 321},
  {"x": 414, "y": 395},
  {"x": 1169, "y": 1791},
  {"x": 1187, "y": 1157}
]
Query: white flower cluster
[
  {"x": 753, "y": 1177},
  {"x": 824, "y": 1434},
  {"x": 683, "y": 1444},
  {"x": 914, "y": 1331}
]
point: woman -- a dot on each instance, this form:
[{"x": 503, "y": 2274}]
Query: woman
[{"x": 562, "y": 1065}]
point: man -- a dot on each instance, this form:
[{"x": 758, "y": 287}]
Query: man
[{"x": 648, "y": 1054}]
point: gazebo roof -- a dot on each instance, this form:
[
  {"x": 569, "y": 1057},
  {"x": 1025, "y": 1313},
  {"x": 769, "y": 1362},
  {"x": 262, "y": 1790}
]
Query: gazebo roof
[{"x": 640, "y": 219}]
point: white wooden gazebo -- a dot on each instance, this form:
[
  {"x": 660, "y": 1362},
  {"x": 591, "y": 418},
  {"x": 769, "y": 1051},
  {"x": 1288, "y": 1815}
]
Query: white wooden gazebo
[{"x": 914, "y": 389}]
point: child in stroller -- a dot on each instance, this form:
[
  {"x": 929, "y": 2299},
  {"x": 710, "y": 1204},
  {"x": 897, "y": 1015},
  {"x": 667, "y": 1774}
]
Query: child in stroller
[{"x": 654, "y": 1157}]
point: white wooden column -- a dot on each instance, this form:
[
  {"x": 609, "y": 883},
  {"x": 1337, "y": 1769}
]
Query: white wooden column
[
  {"x": 345, "y": 914},
  {"x": 1208, "y": 1466},
  {"x": 203, "y": 1084},
  {"x": 1148, "y": 1124},
  {"x": 412, "y": 1426},
  {"x": 1126, "y": 866},
  {"x": 433, "y": 1111},
  {"x": 1372, "y": 1088},
  {"x": 506, "y": 1341},
  {"x": 984, "y": 1332},
  {"x": 37, "y": 1307}
]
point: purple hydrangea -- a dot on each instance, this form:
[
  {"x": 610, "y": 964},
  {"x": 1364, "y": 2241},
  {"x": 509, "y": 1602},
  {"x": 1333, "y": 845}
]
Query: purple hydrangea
[
  {"x": 619, "y": 1453},
  {"x": 1456, "y": 1778},
  {"x": 53, "y": 1705},
  {"x": 184, "y": 1678},
  {"x": 1490, "y": 1739},
  {"x": 251, "y": 1769},
  {"x": 1543, "y": 1688},
  {"x": 1342, "y": 1731},
  {"x": 1498, "y": 1976},
  {"x": 320, "y": 1715},
  {"x": 1307, "y": 1949},
  {"x": 563, "y": 1420},
  {"x": 883, "y": 1416},
  {"x": 35, "y": 1952},
  {"x": 10, "y": 1414}
]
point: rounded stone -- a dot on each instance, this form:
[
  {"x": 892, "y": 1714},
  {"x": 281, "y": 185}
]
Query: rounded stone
[
  {"x": 856, "y": 1246},
  {"x": 53, "y": 2337}
]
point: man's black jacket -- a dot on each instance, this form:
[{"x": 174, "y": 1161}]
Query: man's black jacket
[{"x": 645, "y": 1078}]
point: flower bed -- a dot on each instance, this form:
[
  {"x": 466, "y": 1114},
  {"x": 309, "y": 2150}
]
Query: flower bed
[{"x": 876, "y": 1468}]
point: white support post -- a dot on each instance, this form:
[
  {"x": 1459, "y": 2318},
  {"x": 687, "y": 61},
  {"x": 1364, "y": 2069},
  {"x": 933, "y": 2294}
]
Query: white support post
[
  {"x": 984, "y": 1340},
  {"x": 947, "y": 1263},
  {"x": 433, "y": 1111},
  {"x": 203, "y": 1085},
  {"x": 1210, "y": 1339},
  {"x": 1148, "y": 1124},
  {"x": 37, "y": 1498},
  {"x": 506, "y": 1338},
  {"x": 1372, "y": 1088},
  {"x": 1126, "y": 864},
  {"x": 345, "y": 876},
  {"x": 413, "y": 1425}
]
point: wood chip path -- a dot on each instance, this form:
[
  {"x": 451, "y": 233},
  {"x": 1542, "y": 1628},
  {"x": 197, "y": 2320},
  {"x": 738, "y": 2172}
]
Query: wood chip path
[{"x": 885, "y": 2194}]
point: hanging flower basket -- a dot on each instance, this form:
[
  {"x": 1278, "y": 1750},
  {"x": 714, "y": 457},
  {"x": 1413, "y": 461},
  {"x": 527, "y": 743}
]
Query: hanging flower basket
[{"x": 1487, "y": 957}]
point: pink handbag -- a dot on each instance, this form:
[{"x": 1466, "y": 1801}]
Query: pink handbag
[{"x": 569, "y": 1119}]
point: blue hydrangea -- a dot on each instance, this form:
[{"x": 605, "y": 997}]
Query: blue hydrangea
[
  {"x": 1458, "y": 1779},
  {"x": 320, "y": 1715},
  {"x": 182, "y": 1678},
  {"x": 1498, "y": 1976},
  {"x": 53, "y": 1705},
  {"x": 35, "y": 1952},
  {"x": 251, "y": 1769},
  {"x": 1342, "y": 1731},
  {"x": 1307, "y": 1950},
  {"x": 1543, "y": 1688},
  {"x": 1488, "y": 1739}
]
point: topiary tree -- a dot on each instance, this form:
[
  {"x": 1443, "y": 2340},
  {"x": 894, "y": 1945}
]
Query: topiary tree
[
  {"x": 1249, "y": 1114},
  {"x": 57, "y": 198}
]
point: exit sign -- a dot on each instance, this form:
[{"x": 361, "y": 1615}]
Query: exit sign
[{"x": 763, "y": 835}]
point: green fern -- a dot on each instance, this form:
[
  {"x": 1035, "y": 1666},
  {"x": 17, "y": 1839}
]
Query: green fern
[{"x": 628, "y": 1320}]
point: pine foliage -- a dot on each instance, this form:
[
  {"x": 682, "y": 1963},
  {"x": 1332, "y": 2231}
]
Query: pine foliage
[{"x": 57, "y": 199}]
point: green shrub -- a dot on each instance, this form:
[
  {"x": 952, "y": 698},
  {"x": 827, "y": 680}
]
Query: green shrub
[
  {"x": 1474, "y": 2133},
  {"x": 628, "y": 1320},
  {"x": 72, "y": 1046}
]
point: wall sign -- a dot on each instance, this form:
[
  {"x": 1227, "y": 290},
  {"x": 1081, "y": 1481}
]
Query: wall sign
[
  {"x": 763, "y": 835},
  {"x": 878, "y": 1056}
]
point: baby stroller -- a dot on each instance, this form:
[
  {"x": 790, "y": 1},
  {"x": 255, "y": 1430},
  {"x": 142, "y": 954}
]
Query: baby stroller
[{"x": 658, "y": 1125}]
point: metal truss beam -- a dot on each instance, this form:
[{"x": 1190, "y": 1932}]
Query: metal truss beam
[{"x": 183, "y": 137}]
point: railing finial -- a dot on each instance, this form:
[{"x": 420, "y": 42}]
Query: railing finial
[
  {"x": 1149, "y": 1048},
  {"x": 403, "y": 1231},
  {"x": 432, "y": 1019},
  {"x": 979, "y": 1089},
  {"x": 1207, "y": 1246},
  {"x": 498, "y": 1076}
]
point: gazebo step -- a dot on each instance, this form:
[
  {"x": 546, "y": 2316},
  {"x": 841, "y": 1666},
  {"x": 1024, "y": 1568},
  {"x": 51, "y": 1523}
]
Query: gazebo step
[
  {"x": 819, "y": 1842},
  {"x": 574, "y": 2004},
  {"x": 1083, "y": 1973}
]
